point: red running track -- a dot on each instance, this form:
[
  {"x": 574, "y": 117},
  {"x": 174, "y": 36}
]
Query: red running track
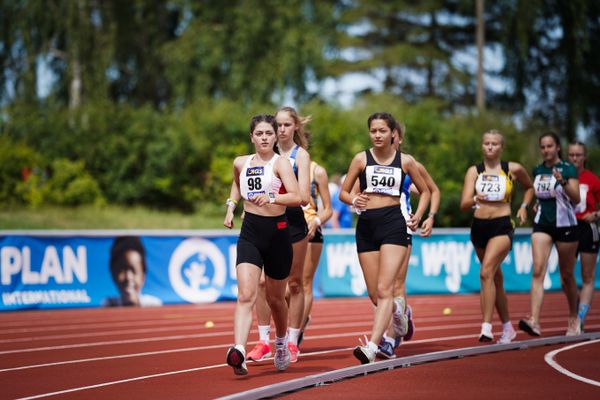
[{"x": 168, "y": 353}]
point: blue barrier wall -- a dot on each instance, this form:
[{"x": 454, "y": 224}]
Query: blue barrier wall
[{"x": 71, "y": 269}]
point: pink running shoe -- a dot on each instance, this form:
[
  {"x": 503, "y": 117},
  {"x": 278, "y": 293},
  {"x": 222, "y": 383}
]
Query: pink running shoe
[
  {"x": 259, "y": 352},
  {"x": 294, "y": 352}
]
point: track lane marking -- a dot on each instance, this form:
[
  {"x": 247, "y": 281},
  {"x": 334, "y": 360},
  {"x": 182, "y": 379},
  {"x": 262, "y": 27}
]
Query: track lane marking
[{"x": 549, "y": 358}]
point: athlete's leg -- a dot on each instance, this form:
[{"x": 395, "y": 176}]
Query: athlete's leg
[
  {"x": 541, "y": 246},
  {"x": 313, "y": 254},
  {"x": 248, "y": 276}
]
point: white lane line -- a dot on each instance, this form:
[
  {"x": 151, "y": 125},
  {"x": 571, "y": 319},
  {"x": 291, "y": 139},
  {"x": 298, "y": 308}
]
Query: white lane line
[
  {"x": 183, "y": 371},
  {"x": 549, "y": 358}
]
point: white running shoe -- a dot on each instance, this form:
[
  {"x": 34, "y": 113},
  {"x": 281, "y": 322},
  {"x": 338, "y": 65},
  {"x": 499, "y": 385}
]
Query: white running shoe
[
  {"x": 508, "y": 335},
  {"x": 399, "y": 318},
  {"x": 237, "y": 360},
  {"x": 486, "y": 334},
  {"x": 282, "y": 357},
  {"x": 574, "y": 328},
  {"x": 364, "y": 354}
]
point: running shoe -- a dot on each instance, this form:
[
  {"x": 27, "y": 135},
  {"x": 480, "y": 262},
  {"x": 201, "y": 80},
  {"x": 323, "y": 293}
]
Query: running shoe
[
  {"x": 574, "y": 328},
  {"x": 364, "y": 354},
  {"x": 301, "y": 335},
  {"x": 411, "y": 324},
  {"x": 294, "y": 352},
  {"x": 530, "y": 326},
  {"x": 260, "y": 351},
  {"x": 237, "y": 361},
  {"x": 399, "y": 318},
  {"x": 282, "y": 357},
  {"x": 385, "y": 349},
  {"x": 508, "y": 335},
  {"x": 486, "y": 334}
]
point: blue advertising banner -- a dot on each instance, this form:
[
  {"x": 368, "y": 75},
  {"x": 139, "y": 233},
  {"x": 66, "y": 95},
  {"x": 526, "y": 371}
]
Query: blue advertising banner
[{"x": 97, "y": 268}]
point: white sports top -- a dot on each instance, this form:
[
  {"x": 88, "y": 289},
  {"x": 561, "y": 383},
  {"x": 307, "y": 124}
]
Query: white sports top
[{"x": 259, "y": 179}]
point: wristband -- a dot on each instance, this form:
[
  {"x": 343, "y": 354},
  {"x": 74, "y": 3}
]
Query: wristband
[
  {"x": 318, "y": 220},
  {"x": 231, "y": 203},
  {"x": 432, "y": 215},
  {"x": 523, "y": 205},
  {"x": 271, "y": 198}
]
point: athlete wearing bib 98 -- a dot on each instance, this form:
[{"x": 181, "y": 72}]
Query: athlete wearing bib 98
[
  {"x": 381, "y": 236},
  {"x": 264, "y": 239}
]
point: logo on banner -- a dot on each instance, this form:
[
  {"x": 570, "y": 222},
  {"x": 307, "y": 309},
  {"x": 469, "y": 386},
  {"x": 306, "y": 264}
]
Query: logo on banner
[{"x": 197, "y": 271}]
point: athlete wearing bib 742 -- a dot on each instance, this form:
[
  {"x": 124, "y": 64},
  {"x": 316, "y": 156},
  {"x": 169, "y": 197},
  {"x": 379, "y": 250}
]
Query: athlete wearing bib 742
[
  {"x": 381, "y": 236},
  {"x": 267, "y": 184},
  {"x": 556, "y": 187}
]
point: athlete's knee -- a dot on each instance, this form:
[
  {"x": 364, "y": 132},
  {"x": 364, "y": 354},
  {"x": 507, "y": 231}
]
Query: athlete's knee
[
  {"x": 486, "y": 273},
  {"x": 246, "y": 295},
  {"x": 295, "y": 286}
]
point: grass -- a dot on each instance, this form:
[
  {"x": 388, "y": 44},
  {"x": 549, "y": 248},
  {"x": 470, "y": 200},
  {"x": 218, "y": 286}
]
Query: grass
[{"x": 109, "y": 217}]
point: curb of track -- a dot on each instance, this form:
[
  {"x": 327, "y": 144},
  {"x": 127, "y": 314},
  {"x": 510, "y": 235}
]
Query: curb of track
[{"x": 400, "y": 362}]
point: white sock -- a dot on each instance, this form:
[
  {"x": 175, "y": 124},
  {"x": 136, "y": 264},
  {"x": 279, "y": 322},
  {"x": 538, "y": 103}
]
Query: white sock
[
  {"x": 264, "y": 333},
  {"x": 293, "y": 334},
  {"x": 507, "y": 326},
  {"x": 280, "y": 341}
]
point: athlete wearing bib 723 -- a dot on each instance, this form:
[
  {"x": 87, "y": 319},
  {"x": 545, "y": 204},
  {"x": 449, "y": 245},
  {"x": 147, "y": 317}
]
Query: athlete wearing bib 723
[
  {"x": 487, "y": 189},
  {"x": 381, "y": 236}
]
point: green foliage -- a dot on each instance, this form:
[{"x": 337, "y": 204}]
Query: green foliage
[
  {"x": 67, "y": 184},
  {"x": 15, "y": 159}
]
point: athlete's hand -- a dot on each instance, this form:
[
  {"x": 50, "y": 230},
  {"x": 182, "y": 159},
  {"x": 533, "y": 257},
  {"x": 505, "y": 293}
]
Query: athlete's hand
[
  {"x": 228, "y": 222},
  {"x": 590, "y": 218},
  {"x": 260, "y": 199},
  {"x": 312, "y": 229},
  {"x": 413, "y": 222},
  {"x": 427, "y": 227},
  {"x": 522, "y": 215}
]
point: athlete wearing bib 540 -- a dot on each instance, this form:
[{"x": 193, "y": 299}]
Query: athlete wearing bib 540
[
  {"x": 381, "y": 236},
  {"x": 487, "y": 189},
  {"x": 264, "y": 239},
  {"x": 557, "y": 189}
]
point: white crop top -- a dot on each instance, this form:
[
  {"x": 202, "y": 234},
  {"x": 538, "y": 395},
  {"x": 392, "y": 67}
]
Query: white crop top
[{"x": 258, "y": 179}]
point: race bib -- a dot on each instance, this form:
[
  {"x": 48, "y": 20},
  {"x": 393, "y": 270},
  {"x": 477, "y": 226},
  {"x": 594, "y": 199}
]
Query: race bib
[
  {"x": 383, "y": 179},
  {"x": 252, "y": 183},
  {"x": 544, "y": 186},
  {"x": 492, "y": 186}
]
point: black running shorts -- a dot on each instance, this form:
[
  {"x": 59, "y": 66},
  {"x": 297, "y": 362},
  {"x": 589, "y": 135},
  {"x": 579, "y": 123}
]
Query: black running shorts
[
  {"x": 482, "y": 230},
  {"x": 589, "y": 240},
  {"x": 379, "y": 226},
  {"x": 265, "y": 241},
  {"x": 298, "y": 226}
]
